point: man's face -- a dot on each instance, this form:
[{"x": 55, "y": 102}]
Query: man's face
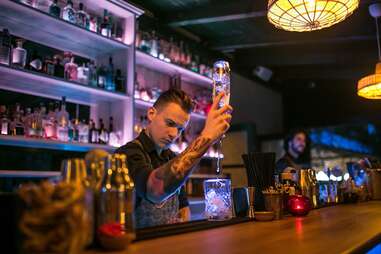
[
  {"x": 298, "y": 143},
  {"x": 166, "y": 124}
]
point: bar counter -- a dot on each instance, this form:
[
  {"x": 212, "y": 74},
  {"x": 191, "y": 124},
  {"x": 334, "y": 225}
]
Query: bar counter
[{"x": 337, "y": 229}]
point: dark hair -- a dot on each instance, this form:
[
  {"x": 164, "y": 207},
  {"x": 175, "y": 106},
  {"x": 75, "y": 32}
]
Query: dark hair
[
  {"x": 175, "y": 96},
  {"x": 291, "y": 136}
]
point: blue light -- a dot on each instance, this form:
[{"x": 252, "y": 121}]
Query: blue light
[
  {"x": 336, "y": 141},
  {"x": 371, "y": 129},
  {"x": 375, "y": 250}
]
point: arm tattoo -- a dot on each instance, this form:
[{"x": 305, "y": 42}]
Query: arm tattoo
[{"x": 165, "y": 180}]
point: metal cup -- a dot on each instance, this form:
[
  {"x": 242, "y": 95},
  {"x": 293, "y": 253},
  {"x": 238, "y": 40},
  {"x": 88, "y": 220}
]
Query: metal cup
[{"x": 274, "y": 202}]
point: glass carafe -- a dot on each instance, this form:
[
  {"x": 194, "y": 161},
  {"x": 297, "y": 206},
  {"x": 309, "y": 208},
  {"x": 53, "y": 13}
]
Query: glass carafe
[{"x": 116, "y": 205}]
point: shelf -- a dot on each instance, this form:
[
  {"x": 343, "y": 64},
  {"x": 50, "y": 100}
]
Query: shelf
[
  {"x": 39, "y": 84},
  {"x": 35, "y": 25},
  {"x": 146, "y": 104},
  {"x": 206, "y": 176},
  {"x": 156, "y": 64},
  {"x": 21, "y": 141},
  {"x": 29, "y": 174}
]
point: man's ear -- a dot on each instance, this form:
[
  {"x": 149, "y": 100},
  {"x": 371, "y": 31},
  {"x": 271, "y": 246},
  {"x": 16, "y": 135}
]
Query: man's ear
[{"x": 151, "y": 113}]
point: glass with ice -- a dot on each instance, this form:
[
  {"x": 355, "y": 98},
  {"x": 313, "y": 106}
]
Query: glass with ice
[{"x": 218, "y": 205}]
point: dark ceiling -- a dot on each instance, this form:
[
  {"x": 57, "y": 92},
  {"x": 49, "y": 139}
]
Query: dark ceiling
[{"x": 316, "y": 70}]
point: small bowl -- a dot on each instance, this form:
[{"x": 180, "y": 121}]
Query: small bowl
[{"x": 264, "y": 216}]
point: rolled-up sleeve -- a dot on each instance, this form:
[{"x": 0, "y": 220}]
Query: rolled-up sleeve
[{"x": 138, "y": 167}]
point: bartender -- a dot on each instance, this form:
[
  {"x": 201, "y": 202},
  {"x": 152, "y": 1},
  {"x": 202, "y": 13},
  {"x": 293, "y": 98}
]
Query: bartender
[
  {"x": 158, "y": 173},
  {"x": 295, "y": 147}
]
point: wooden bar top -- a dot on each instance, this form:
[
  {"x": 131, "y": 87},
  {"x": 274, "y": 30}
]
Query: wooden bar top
[{"x": 336, "y": 229}]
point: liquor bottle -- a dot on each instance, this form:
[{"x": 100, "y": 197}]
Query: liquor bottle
[
  {"x": 101, "y": 73},
  {"x": 103, "y": 133},
  {"x": 54, "y": 9},
  {"x": 105, "y": 27},
  {"x": 93, "y": 133},
  {"x": 154, "y": 51},
  {"x": 182, "y": 58},
  {"x": 49, "y": 123},
  {"x": 49, "y": 66},
  {"x": 93, "y": 80},
  {"x": 17, "y": 126},
  {"x": 59, "y": 70},
  {"x": 110, "y": 85},
  {"x": 42, "y": 5},
  {"x": 71, "y": 130},
  {"x": 83, "y": 132},
  {"x": 4, "y": 120},
  {"x": 93, "y": 24},
  {"x": 40, "y": 116},
  {"x": 82, "y": 17},
  {"x": 66, "y": 57},
  {"x": 113, "y": 137},
  {"x": 68, "y": 13},
  {"x": 194, "y": 64},
  {"x": 19, "y": 54},
  {"x": 28, "y": 2},
  {"x": 83, "y": 74},
  {"x": 5, "y": 47},
  {"x": 145, "y": 46},
  {"x": 71, "y": 72},
  {"x": 63, "y": 122},
  {"x": 35, "y": 63},
  {"x": 30, "y": 130},
  {"x": 119, "y": 81}
]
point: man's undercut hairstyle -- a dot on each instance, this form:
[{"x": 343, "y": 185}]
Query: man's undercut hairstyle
[{"x": 175, "y": 96}]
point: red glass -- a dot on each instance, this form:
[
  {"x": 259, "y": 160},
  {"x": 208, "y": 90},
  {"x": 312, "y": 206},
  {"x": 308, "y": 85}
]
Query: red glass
[{"x": 298, "y": 205}]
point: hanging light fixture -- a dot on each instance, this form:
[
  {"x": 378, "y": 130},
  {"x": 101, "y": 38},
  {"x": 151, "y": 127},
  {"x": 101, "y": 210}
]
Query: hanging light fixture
[
  {"x": 309, "y": 15},
  {"x": 370, "y": 86}
]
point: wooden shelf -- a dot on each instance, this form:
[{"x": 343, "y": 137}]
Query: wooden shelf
[
  {"x": 35, "y": 25},
  {"x": 156, "y": 64},
  {"x": 39, "y": 84},
  {"x": 146, "y": 104},
  {"x": 21, "y": 141}
]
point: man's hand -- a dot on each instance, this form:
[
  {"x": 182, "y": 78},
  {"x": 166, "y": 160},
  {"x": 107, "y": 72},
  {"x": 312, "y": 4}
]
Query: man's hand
[{"x": 218, "y": 120}]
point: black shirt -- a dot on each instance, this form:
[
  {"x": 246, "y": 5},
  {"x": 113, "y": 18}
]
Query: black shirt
[
  {"x": 142, "y": 159},
  {"x": 288, "y": 161}
]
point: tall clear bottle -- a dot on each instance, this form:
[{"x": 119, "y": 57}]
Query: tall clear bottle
[
  {"x": 105, "y": 27},
  {"x": 17, "y": 125},
  {"x": 4, "y": 121},
  {"x": 116, "y": 222},
  {"x": 110, "y": 85},
  {"x": 221, "y": 83},
  {"x": 5, "y": 47},
  {"x": 49, "y": 123},
  {"x": 63, "y": 122},
  {"x": 19, "y": 54}
]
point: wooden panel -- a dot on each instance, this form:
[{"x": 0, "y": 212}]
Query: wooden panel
[{"x": 339, "y": 229}]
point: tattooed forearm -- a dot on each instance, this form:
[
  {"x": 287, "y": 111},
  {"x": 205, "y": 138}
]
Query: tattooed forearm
[{"x": 166, "y": 179}]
